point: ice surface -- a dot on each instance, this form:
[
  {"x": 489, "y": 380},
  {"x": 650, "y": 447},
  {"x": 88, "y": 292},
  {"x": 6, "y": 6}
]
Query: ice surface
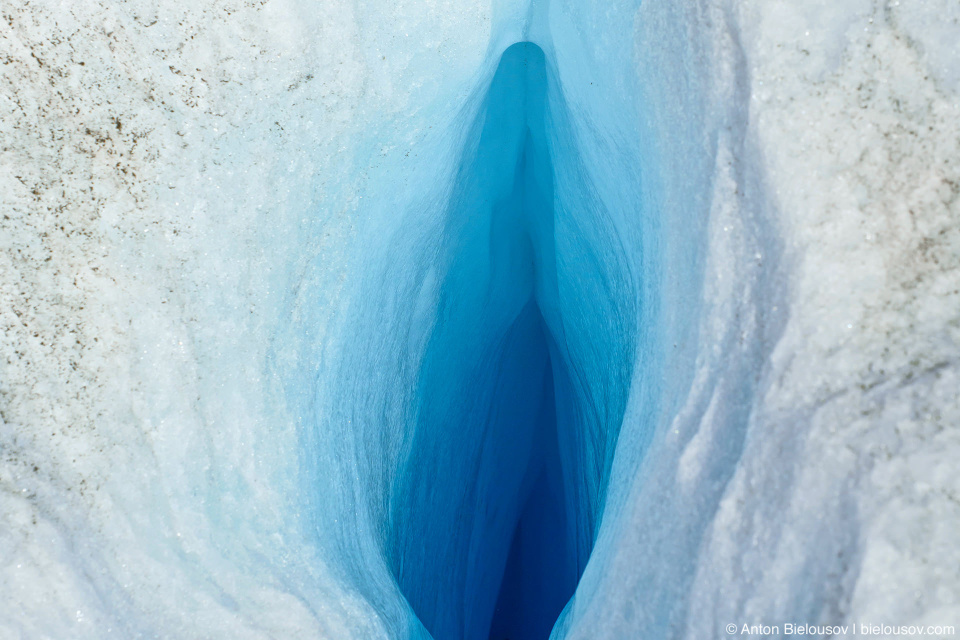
[{"x": 307, "y": 305}]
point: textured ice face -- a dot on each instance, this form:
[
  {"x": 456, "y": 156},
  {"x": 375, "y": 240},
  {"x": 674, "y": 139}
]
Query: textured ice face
[
  {"x": 244, "y": 281},
  {"x": 517, "y": 396},
  {"x": 501, "y": 334},
  {"x": 483, "y": 394}
]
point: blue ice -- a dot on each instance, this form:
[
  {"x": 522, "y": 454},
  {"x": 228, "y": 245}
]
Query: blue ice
[
  {"x": 522, "y": 385},
  {"x": 484, "y": 383}
]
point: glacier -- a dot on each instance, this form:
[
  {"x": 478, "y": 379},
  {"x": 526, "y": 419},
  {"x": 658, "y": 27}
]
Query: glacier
[{"x": 508, "y": 319}]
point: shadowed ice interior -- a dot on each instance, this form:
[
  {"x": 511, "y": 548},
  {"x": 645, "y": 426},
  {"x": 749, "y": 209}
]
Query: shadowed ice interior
[{"x": 522, "y": 385}]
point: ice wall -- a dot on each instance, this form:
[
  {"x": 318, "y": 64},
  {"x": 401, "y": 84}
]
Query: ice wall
[
  {"x": 509, "y": 334},
  {"x": 821, "y": 367},
  {"x": 246, "y": 270}
]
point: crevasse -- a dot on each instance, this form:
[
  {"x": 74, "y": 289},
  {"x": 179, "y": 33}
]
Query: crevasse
[
  {"x": 522, "y": 384},
  {"x": 359, "y": 320},
  {"x": 487, "y": 374}
]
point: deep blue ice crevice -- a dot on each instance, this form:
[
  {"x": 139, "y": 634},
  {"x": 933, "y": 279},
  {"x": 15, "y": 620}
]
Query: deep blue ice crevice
[
  {"x": 518, "y": 396},
  {"x": 461, "y": 409}
]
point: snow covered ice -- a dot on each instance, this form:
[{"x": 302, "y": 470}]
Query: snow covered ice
[{"x": 469, "y": 320}]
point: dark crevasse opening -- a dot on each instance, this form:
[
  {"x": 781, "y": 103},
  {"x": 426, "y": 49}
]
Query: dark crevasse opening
[
  {"x": 522, "y": 385},
  {"x": 540, "y": 574}
]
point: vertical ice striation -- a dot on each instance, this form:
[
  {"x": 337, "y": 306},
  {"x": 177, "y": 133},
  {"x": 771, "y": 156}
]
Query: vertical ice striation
[
  {"x": 512, "y": 378},
  {"x": 521, "y": 388},
  {"x": 505, "y": 319}
]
